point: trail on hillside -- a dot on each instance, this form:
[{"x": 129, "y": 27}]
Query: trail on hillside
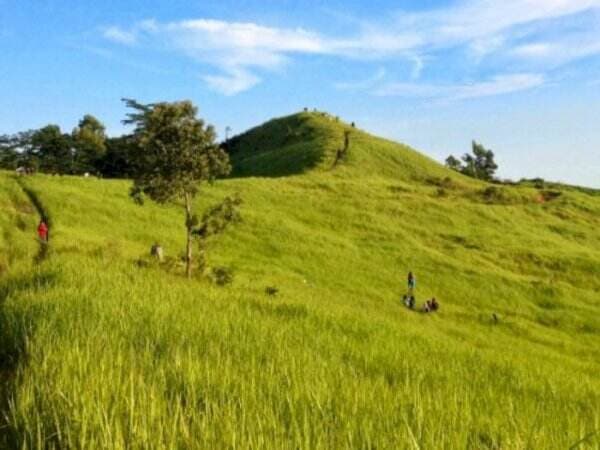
[
  {"x": 13, "y": 335},
  {"x": 43, "y": 250}
]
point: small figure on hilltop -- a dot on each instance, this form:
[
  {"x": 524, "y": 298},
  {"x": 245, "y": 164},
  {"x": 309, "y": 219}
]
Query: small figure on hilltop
[{"x": 42, "y": 230}]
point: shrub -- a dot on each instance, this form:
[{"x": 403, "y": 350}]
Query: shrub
[
  {"x": 445, "y": 182},
  {"x": 539, "y": 183},
  {"x": 493, "y": 194},
  {"x": 550, "y": 195},
  {"x": 221, "y": 276},
  {"x": 271, "y": 291},
  {"x": 441, "y": 192}
]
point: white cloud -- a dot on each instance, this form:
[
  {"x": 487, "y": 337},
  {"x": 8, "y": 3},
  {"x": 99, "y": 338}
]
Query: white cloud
[
  {"x": 120, "y": 36},
  {"x": 501, "y": 84},
  {"x": 418, "y": 66},
  {"x": 239, "y": 50},
  {"x": 482, "y": 47},
  {"x": 233, "y": 48},
  {"x": 537, "y": 50},
  {"x": 482, "y": 20},
  {"x": 234, "y": 82},
  {"x": 560, "y": 51},
  {"x": 226, "y": 35}
]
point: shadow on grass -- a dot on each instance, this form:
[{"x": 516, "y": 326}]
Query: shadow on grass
[
  {"x": 43, "y": 252},
  {"x": 44, "y": 248},
  {"x": 36, "y": 202},
  {"x": 14, "y": 331}
]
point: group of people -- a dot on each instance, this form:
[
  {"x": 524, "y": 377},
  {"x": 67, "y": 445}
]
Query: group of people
[{"x": 410, "y": 301}]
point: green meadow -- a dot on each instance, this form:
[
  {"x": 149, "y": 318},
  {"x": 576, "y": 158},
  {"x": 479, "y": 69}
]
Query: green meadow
[{"x": 100, "y": 347}]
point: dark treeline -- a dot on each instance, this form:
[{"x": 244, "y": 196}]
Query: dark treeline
[{"x": 86, "y": 149}]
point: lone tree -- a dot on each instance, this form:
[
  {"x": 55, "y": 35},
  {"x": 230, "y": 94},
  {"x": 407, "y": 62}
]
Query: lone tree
[
  {"x": 175, "y": 153},
  {"x": 479, "y": 165}
]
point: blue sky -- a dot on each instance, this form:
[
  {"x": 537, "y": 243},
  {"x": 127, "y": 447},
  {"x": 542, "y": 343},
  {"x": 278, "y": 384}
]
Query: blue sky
[{"x": 521, "y": 76}]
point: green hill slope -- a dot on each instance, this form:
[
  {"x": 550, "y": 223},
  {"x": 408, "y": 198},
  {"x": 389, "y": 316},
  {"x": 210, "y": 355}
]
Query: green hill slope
[
  {"x": 102, "y": 352},
  {"x": 298, "y": 143}
]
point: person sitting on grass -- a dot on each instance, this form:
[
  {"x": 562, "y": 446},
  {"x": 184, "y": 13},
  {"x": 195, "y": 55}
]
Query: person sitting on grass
[
  {"x": 430, "y": 306},
  {"x": 409, "y": 301}
]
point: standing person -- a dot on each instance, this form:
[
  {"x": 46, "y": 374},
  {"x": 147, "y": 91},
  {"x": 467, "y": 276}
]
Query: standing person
[
  {"x": 412, "y": 283},
  {"x": 42, "y": 230}
]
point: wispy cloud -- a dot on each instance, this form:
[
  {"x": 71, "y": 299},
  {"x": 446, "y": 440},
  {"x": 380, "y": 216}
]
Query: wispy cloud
[
  {"x": 235, "y": 81},
  {"x": 362, "y": 84},
  {"x": 501, "y": 84},
  {"x": 559, "y": 51},
  {"x": 120, "y": 36},
  {"x": 235, "y": 49},
  {"x": 418, "y": 66},
  {"x": 241, "y": 52}
]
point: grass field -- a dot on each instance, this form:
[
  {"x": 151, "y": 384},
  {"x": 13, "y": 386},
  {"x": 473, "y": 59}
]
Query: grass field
[{"x": 99, "y": 351}]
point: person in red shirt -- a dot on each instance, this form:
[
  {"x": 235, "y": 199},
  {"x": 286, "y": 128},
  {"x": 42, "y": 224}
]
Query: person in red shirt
[{"x": 43, "y": 231}]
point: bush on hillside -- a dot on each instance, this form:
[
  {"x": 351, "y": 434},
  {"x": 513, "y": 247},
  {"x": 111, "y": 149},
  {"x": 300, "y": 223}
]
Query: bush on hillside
[
  {"x": 441, "y": 192},
  {"x": 502, "y": 196},
  {"x": 480, "y": 164},
  {"x": 445, "y": 182},
  {"x": 220, "y": 275},
  {"x": 549, "y": 195}
]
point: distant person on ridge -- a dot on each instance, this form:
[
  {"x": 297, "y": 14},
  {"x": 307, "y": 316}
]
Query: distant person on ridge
[{"x": 42, "y": 230}]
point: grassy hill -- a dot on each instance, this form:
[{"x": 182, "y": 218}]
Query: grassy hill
[{"x": 100, "y": 351}]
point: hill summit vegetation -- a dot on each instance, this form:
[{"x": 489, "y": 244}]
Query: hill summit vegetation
[{"x": 305, "y": 343}]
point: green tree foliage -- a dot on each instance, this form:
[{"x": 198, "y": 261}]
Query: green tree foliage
[
  {"x": 480, "y": 164},
  {"x": 116, "y": 162},
  {"x": 214, "y": 221},
  {"x": 52, "y": 149},
  {"x": 453, "y": 163},
  {"x": 15, "y": 151},
  {"x": 89, "y": 142},
  {"x": 9, "y": 157},
  {"x": 175, "y": 152}
]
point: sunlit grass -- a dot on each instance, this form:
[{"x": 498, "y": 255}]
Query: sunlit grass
[{"x": 111, "y": 355}]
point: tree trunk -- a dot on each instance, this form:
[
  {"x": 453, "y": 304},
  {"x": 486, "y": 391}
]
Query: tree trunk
[{"x": 188, "y": 226}]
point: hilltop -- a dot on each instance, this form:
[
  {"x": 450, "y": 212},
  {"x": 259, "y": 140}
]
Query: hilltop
[
  {"x": 308, "y": 141},
  {"x": 100, "y": 351}
]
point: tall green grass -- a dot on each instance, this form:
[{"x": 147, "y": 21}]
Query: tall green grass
[{"x": 116, "y": 355}]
